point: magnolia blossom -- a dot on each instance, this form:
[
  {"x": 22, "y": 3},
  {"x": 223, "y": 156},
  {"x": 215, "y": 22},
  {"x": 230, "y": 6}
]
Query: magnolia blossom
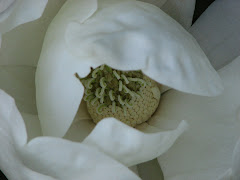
[{"x": 214, "y": 121}]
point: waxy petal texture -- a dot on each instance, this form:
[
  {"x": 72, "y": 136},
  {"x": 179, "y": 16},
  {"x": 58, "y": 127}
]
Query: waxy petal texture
[
  {"x": 130, "y": 146},
  {"x": 205, "y": 151},
  {"x": 16, "y": 12},
  {"x": 46, "y": 158},
  {"x": 110, "y": 32},
  {"x": 19, "y": 12}
]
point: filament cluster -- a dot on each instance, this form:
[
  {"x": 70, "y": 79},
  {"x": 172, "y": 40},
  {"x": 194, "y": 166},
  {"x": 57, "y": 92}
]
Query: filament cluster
[{"x": 113, "y": 88}]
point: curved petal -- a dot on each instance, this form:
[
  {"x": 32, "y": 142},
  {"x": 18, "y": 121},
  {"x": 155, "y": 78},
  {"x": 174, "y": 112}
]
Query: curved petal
[
  {"x": 22, "y": 46},
  {"x": 114, "y": 36},
  {"x": 63, "y": 159},
  {"x": 5, "y": 4},
  {"x": 128, "y": 145},
  {"x": 12, "y": 137},
  {"x": 55, "y": 76},
  {"x": 49, "y": 158},
  {"x": 181, "y": 11},
  {"x": 217, "y": 31},
  {"x": 20, "y": 12},
  {"x": 205, "y": 151},
  {"x": 130, "y": 42}
]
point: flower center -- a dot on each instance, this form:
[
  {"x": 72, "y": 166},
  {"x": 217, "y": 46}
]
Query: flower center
[{"x": 113, "y": 93}]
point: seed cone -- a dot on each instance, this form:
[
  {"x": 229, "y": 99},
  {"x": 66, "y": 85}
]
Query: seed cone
[{"x": 130, "y": 97}]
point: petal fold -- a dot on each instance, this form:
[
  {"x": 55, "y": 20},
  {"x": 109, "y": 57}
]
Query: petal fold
[
  {"x": 22, "y": 45},
  {"x": 19, "y": 12},
  {"x": 55, "y": 77},
  {"x": 217, "y": 31},
  {"x": 128, "y": 43},
  {"x": 126, "y": 35},
  {"x": 64, "y": 159},
  {"x": 130, "y": 146},
  {"x": 46, "y": 158},
  {"x": 205, "y": 151}
]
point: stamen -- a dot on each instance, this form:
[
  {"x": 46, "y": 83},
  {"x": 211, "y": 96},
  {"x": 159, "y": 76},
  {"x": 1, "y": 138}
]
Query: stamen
[
  {"x": 120, "y": 100},
  {"x": 141, "y": 81},
  {"x": 93, "y": 102},
  {"x": 102, "y": 67},
  {"x": 116, "y": 75},
  {"x": 102, "y": 92},
  {"x": 100, "y": 107},
  {"x": 102, "y": 83},
  {"x": 97, "y": 93},
  {"x": 126, "y": 90},
  {"x": 125, "y": 78},
  {"x": 89, "y": 83},
  {"x": 94, "y": 73},
  {"x": 122, "y": 94},
  {"x": 89, "y": 97},
  {"x": 112, "y": 98},
  {"x": 102, "y": 100},
  {"x": 113, "y": 106},
  {"x": 88, "y": 92},
  {"x": 120, "y": 86},
  {"x": 127, "y": 103}
]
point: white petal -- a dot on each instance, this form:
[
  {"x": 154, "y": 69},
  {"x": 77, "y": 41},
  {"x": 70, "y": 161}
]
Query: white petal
[
  {"x": 182, "y": 11},
  {"x": 22, "y": 46},
  {"x": 20, "y": 12},
  {"x": 217, "y": 31},
  {"x": 55, "y": 78},
  {"x": 128, "y": 43},
  {"x": 63, "y": 159},
  {"x": 12, "y": 137},
  {"x": 49, "y": 158},
  {"x": 205, "y": 151},
  {"x": 128, "y": 145},
  {"x": 5, "y": 4},
  {"x": 12, "y": 126}
]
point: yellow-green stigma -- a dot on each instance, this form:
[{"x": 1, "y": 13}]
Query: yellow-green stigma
[{"x": 130, "y": 97}]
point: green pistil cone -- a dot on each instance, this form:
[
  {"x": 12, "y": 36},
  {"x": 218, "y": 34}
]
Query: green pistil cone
[{"x": 130, "y": 97}]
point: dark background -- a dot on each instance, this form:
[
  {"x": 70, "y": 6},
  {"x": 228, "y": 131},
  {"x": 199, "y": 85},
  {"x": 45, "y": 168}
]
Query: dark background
[{"x": 201, "y": 5}]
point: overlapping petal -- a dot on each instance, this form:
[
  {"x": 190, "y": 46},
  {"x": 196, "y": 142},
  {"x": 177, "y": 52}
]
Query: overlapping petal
[
  {"x": 46, "y": 158},
  {"x": 168, "y": 54},
  {"x": 16, "y": 12},
  {"x": 217, "y": 31},
  {"x": 205, "y": 151},
  {"x": 130, "y": 146}
]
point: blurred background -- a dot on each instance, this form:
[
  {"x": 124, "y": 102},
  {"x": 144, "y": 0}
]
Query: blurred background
[{"x": 201, "y": 6}]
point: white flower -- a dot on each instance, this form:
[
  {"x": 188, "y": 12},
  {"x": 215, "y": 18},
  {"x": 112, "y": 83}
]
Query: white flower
[
  {"x": 109, "y": 133},
  {"x": 16, "y": 12}
]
